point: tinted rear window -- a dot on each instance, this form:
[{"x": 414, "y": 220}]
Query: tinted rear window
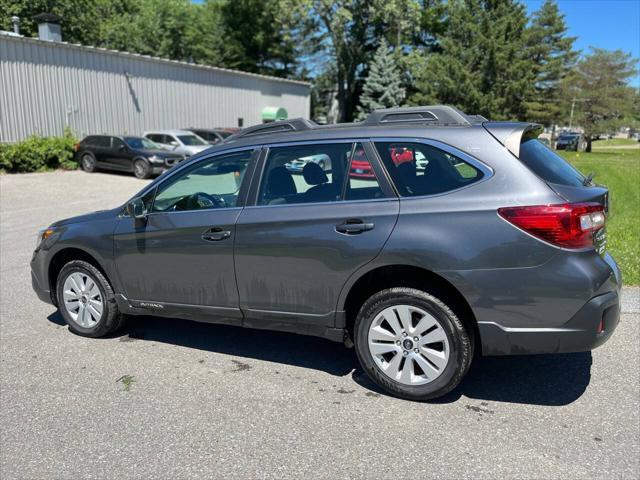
[{"x": 548, "y": 165}]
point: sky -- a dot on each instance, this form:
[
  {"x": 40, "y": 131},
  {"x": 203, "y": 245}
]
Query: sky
[{"x": 608, "y": 24}]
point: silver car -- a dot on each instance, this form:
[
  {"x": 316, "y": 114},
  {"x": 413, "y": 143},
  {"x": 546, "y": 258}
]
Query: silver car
[{"x": 178, "y": 141}]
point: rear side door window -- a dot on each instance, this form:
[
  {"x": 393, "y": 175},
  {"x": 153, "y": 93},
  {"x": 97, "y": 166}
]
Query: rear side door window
[
  {"x": 102, "y": 142},
  {"x": 304, "y": 174},
  {"x": 362, "y": 182},
  {"x": 419, "y": 169}
]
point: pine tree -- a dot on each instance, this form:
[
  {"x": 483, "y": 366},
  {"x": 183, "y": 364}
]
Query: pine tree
[
  {"x": 553, "y": 58},
  {"x": 481, "y": 64},
  {"x": 383, "y": 86},
  {"x": 599, "y": 84}
]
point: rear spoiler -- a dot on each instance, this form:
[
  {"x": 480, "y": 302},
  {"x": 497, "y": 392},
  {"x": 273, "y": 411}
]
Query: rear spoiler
[{"x": 512, "y": 134}]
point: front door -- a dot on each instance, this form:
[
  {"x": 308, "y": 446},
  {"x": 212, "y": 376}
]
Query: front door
[
  {"x": 308, "y": 232},
  {"x": 181, "y": 258}
]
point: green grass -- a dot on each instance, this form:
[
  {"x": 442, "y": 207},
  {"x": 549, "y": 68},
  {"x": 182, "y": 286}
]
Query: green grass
[
  {"x": 615, "y": 142},
  {"x": 619, "y": 170}
]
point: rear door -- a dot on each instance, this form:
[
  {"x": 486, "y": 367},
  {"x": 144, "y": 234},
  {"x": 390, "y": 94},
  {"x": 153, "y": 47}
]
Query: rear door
[
  {"x": 120, "y": 155},
  {"x": 102, "y": 149},
  {"x": 305, "y": 233}
]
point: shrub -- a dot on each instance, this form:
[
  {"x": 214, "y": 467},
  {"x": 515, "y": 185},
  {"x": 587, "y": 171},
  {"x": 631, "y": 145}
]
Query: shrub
[{"x": 36, "y": 154}]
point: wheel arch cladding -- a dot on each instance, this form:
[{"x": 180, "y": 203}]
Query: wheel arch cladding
[
  {"x": 390, "y": 276},
  {"x": 64, "y": 256}
]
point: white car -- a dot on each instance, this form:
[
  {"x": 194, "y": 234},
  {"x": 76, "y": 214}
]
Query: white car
[{"x": 179, "y": 141}]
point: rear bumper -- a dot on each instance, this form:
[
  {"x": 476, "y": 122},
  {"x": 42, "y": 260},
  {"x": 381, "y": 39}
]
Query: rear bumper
[
  {"x": 579, "y": 334},
  {"x": 591, "y": 326}
]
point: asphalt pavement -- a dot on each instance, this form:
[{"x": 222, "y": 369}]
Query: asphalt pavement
[{"x": 179, "y": 399}]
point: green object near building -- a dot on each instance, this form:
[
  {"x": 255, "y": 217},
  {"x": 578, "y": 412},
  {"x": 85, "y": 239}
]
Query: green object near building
[{"x": 272, "y": 114}]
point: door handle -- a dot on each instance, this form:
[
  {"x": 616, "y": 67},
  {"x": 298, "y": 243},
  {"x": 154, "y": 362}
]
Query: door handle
[
  {"x": 354, "y": 226},
  {"x": 215, "y": 234}
]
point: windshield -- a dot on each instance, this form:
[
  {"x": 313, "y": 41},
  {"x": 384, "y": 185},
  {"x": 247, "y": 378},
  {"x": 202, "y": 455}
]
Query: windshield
[
  {"x": 140, "y": 143},
  {"x": 191, "y": 140},
  {"x": 548, "y": 165}
]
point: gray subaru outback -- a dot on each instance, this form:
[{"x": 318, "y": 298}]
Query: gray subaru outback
[{"x": 429, "y": 237}]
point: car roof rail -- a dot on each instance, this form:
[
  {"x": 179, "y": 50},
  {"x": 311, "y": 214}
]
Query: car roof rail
[
  {"x": 430, "y": 115},
  {"x": 290, "y": 125}
]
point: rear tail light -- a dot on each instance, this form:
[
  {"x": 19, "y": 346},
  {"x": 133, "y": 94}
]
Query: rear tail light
[
  {"x": 570, "y": 225},
  {"x": 76, "y": 147}
]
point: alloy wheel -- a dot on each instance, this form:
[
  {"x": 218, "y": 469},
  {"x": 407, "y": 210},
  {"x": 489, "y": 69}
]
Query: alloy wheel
[
  {"x": 83, "y": 300},
  {"x": 408, "y": 344}
]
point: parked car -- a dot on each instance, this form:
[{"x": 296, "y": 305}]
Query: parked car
[
  {"x": 128, "y": 154},
  {"x": 497, "y": 247},
  {"x": 297, "y": 165},
  {"x": 179, "y": 141},
  {"x": 212, "y": 136},
  {"x": 361, "y": 168},
  {"x": 571, "y": 141}
]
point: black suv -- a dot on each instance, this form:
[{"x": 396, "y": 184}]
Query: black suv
[
  {"x": 128, "y": 154},
  {"x": 428, "y": 236}
]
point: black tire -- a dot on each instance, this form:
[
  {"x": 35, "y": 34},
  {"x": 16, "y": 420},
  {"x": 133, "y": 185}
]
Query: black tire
[
  {"x": 141, "y": 169},
  {"x": 111, "y": 319},
  {"x": 88, "y": 162},
  {"x": 461, "y": 349}
]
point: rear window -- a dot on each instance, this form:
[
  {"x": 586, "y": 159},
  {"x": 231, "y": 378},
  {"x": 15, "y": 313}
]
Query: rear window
[{"x": 548, "y": 165}]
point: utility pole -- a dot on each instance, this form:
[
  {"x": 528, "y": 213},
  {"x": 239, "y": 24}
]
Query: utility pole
[{"x": 573, "y": 106}]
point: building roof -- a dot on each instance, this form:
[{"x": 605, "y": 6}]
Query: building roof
[{"x": 138, "y": 56}]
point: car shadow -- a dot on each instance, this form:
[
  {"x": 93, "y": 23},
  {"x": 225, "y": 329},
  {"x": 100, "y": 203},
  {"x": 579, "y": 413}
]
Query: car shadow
[
  {"x": 277, "y": 347},
  {"x": 551, "y": 380}
]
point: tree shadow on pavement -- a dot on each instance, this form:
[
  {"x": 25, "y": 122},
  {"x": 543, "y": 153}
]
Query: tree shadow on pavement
[{"x": 532, "y": 379}]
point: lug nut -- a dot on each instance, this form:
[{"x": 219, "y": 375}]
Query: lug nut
[
  {"x": 415, "y": 339},
  {"x": 398, "y": 342},
  {"x": 416, "y": 350},
  {"x": 405, "y": 353},
  {"x": 404, "y": 334}
]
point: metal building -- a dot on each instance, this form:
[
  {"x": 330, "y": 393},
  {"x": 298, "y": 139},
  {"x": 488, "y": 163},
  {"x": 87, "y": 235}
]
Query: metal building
[{"x": 47, "y": 85}]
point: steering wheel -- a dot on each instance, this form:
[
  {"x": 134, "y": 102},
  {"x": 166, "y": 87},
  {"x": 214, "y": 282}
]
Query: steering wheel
[{"x": 200, "y": 201}]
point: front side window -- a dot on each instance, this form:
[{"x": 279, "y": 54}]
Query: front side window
[
  {"x": 191, "y": 140},
  {"x": 304, "y": 174},
  {"x": 214, "y": 183},
  {"x": 418, "y": 169}
]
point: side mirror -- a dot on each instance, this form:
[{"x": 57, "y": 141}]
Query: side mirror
[
  {"x": 122, "y": 148},
  {"x": 173, "y": 143},
  {"x": 137, "y": 209}
]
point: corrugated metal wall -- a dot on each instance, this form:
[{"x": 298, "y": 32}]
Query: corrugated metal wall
[{"x": 45, "y": 86}]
